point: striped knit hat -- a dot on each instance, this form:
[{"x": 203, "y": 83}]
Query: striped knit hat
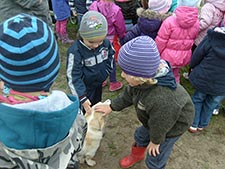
[
  {"x": 93, "y": 25},
  {"x": 28, "y": 54},
  {"x": 161, "y": 6},
  {"x": 139, "y": 57}
]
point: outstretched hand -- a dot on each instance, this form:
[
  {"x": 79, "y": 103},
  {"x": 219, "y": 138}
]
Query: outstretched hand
[
  {"x": 104, "y": 108},
  {"x": 153, "y": 149}
]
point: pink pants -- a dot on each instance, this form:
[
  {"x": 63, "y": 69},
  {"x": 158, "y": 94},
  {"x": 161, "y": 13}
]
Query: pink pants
[
  {"x": 176, "y": 74},
  {"x": 60, "y": 27}
]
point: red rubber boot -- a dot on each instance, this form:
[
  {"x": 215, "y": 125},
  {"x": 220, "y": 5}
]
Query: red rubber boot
[{"x": 137, "y": 154}]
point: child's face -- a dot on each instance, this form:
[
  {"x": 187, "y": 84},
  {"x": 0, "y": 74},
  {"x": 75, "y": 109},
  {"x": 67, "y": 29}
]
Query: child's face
[
  {"x": 131, "y": 81},
  {"x": 93, "y": 43}
]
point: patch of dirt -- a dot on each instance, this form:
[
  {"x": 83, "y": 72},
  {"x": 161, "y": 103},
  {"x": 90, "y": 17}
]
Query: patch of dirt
[{"x": 205, "y": 150}]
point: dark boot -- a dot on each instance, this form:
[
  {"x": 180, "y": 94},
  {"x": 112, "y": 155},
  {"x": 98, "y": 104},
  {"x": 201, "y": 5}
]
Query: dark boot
[{"x": 137, "y": 154}]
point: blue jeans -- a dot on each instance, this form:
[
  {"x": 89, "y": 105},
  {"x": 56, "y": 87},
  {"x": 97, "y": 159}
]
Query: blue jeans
[
  {"x": 142, "y": 139},
  {"x": 204, "y": 106},
  {"x": 112, "y": 76}
]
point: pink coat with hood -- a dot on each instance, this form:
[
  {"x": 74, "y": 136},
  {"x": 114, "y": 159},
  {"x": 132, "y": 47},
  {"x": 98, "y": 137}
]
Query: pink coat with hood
[
  {"x": 211, "y": 15},
  {"x": 176, "y": 36},
  {"x": 114, "y": 16}
]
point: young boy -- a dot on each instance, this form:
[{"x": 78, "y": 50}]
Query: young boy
[
  {"x": 90, "y": 60},
  {"x": 39, "y": 128},
  {"x": 207, "y": 77},
  {"x": 163, "y": 107}
]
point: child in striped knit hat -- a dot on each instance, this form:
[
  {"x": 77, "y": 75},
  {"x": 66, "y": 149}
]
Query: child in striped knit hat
[
  {"x": 40, "y": 128},
  {"x": 163, "y": 107}
]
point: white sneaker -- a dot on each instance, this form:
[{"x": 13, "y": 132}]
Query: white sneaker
[
  {"x": 215, "y": 111},
  {"x": 186, "y": 75}
]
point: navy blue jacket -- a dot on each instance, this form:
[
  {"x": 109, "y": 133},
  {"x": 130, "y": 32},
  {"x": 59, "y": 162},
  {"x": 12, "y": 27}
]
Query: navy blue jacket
[
  {"x": 208, "y": 64},
  {"x": 88, "y": 68}
]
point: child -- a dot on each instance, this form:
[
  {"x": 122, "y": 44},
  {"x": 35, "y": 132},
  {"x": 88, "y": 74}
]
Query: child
[
  {"x": 39, "y": 128},
  {"x": 176, "y": 35},
  {"x": 149, "y": 20},
  {"x": 38, "y": 8},
  {"x": 116, "y": 27},
  {"x": 80, "y": 8},
  {"x": 211, "y": 15},
  {"x": 207, "y": 76},
  {"x": 128, "y": 8},
  {"x": 89, "y": 60},
  {"x": 163, "y": 107},
  {"x": 61, "y": 11}
]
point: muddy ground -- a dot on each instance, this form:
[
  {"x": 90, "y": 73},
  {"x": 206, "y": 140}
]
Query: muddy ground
[{"x": 205, "y": 150}]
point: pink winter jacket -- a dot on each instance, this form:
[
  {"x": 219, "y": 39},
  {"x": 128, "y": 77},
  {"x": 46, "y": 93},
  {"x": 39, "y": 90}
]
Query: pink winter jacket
[
  {"x": 114, "y": 16},
  {"x": 211, "y": 15},
  {"x": 176, "y": 36}
]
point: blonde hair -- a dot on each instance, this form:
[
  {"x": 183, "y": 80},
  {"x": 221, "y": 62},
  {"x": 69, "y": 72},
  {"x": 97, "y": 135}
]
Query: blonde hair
[{"x": 142, "y": 80}]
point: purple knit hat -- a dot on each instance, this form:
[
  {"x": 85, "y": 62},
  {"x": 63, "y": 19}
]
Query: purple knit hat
[{"x": 139, "y": 57}]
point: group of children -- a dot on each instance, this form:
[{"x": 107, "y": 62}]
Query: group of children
[{"x": 151, "y": 56}]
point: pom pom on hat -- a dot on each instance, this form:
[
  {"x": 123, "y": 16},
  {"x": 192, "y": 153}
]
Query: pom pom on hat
[
  {"x": 93, "y": 25},
  {"x": 139, "y": 57},
  {"x": 161, "y": 6},
  {"x": 28, "y": 54},
  {"x": 190, "y": 3}
]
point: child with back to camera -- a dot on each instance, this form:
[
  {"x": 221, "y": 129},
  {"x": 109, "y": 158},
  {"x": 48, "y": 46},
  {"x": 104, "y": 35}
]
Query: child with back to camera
[
  {"x": 149, "y": 20},
  {"x": 163, "y": 107},
  {"x": 177, "y": 34},
  {"x": 40, "y": 128},
  {"x": 62, "y": 12},
  {"x": 116, "y": 27},
  {"x": 89, "y": 60},
  {"x": 207, "y": 77}
]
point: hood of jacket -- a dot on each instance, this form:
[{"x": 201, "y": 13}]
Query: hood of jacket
[
  {"x": 150, "y": 14},
  {"x": 186, "y": 17},
  {"x": 150, "y": 21},
  {"x": 108, "y": 9},
  {"x": 217, "y": 41},
  {"x": 167, "y": 80},
  {"x": 220, "y": 4}
]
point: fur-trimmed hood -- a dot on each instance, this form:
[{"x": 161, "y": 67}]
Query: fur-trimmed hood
[{"x": 150, "y": 14}]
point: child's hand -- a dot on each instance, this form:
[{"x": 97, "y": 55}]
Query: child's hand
[
  {"x": 153, "y": 149},
  {"x": 105, "y": 108},
  {"x": 87, "y": 106}
]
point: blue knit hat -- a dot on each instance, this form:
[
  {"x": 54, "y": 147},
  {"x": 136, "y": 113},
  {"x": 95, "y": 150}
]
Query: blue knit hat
[
  {"x": 28, "y": 54},
  {"x": 190, "y": 3},
  {"x": 139, "y": 57}
]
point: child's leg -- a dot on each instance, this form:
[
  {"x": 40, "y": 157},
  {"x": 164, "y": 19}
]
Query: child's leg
[
  {"x": 112, "y": 76},
  {"x": 198, "y": 99},
  {"x": 114, "y": 84},
  {"x": 63, "y": 31},
  {"x": 137, "y": 154},
  {"x": 160, "y": 161},
  {"x": 211, "y": 102},
  {"x": 176, "y": 74},
  {"x": 57, "y": 30}
]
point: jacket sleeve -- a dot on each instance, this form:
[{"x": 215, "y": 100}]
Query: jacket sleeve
[
  {"x": 133, "y": 33},
  {"x": 75, "y": 74},
  {"x": 120, "y": 24},
  {"x": 199, "y": 53},
  {"x": 207, "y": 11},
  {"x": 163, "y": 35},
  {"x": 122, "y": 101},
  {"x": 29, "y": 4}
]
